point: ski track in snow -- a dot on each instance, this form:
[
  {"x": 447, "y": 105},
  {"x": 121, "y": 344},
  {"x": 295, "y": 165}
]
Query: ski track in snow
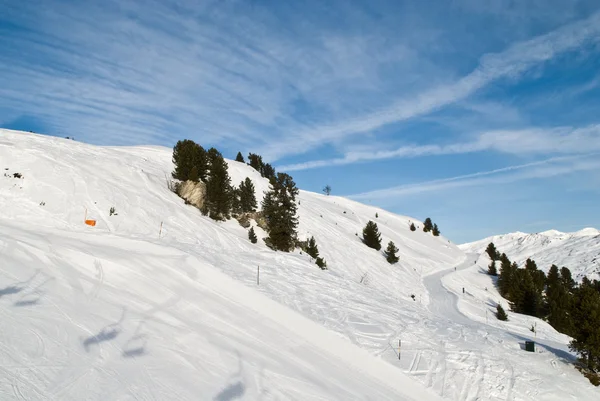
[{"x": 114, "y": 312}]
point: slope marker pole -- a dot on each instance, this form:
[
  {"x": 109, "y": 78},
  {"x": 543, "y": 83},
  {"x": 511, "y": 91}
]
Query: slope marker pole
[{"x": 257, "y": 275}]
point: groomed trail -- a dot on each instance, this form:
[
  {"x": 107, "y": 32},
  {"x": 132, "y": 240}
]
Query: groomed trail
[{"x": 118, "y": 312}]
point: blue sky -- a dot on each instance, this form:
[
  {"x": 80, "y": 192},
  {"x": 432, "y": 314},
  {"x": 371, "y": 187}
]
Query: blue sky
[{"x": 483, "y": 115}]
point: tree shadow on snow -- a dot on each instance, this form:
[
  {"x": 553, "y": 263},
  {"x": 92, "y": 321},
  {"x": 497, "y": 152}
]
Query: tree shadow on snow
[
  {"x": 236, "y": 389},
  {"x": 18, "y": 287},
  {"x": 107, "y": 333},
  {"x": 562, "y": 354},
  {"x": 10, "y": 290},
  {"x": 136, "y": 345}
]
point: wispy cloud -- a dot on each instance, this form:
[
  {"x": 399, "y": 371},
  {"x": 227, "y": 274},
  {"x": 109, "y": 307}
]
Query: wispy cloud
[
  {"x": 240, "y": 74},
  {"x": 536, "y": 141},
  {"x": 510, "y": 63},
  {"x": 537, "y": 170}
]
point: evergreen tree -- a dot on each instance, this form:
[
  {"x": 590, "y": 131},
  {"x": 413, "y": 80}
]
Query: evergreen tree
[
  {"x": 252, "y": 235},
  {"x": 525, "y": 297},
  {"x": 312, "y": 249},
  {"x": 558, "y": 302},
  {"x": 492, "y": 268},
  {"x": 390, "y": 253},
  {"x": 194, "y": 176},
  {"x": 412, "y": 227},
  {"x": 267, "y": 171},
  {"x": 279, "y": 209},
  {"x": 427, "y": 225},
  {"x": 505, "y": 276},
  {"x": 321, "y": 263},
  {"x": 236, "y": 206},
  {"x": 500, "y": 313},
  {"x": 247, "y": 196},
  {"x": 200, "y": 161},
  {"x": 492, "y": 251},
  {"x": 586, "y": 335},
  {"x": 186, "y": 155},
  {"x": 218, "y": 187},
  {"x": 255, "y": 161},
  {"x": 240, "y": 158},
  {"x": 567, "y": 279},
  {"x": 435, "y": 231},
  {"x": 183, "y": 159},
  {"x": 371, "y": 236},
  {"x": 530, "y": 265}
]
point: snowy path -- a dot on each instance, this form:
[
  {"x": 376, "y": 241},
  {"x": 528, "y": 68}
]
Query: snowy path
[{"x": 483, "y": 358}]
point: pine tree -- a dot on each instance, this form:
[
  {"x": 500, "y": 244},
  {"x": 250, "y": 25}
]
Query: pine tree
[
  {"x": 218, "y": 187},
  {"x": 492, "y": 271},
  {"x": 390, "y": 253},
  {"x": 530, "y": 265},
  {"x": 492, "y": 251},
  {"x": 312, "y": 249},
  {"x": 252, "y": 235},
  {"x": 255, "y": 161},
  {"x": 236, "y": 205},
  {"x": 524, "y": 296},
  {"x": 427, "y": 225},
  {"x": 240, "y": 158},
  {"x": 505, "y": 277},
  {"x": 586, "y": 335},
  {"x": 247, "y": 196},
  {"x": 200, "y": 161},
  {"x": 267, "y": 171},
  {"x": 558, "y": 302},
  {"x": 279, "y": 209},
  {"x": 371, "y": 236},
  {"x": 500, "y": 313},
  {"x": 194, "y": 176},
  {"x": 186, "y": 155},
  {"x": 567, "y": 279},
  {"x": 435, "y": 231},
  {"x": 321, "y": 263},
  {"x": 183, "y": 159},
  {"x": 412, "y": 227}
]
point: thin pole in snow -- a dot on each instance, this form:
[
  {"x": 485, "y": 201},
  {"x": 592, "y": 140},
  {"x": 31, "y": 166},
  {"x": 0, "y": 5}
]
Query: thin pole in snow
[
  {"x": 160, "y": 230},
  {"x": 399, "y": 347},
  {"x": 257, "y": 275}
]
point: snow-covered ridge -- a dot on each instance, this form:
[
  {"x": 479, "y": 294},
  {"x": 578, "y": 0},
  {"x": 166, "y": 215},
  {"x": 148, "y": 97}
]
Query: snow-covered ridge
[
  {"x": 579, "y": 251},
  {"x": 118, "y": 312}
]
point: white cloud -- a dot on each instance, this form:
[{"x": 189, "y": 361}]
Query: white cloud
[
  {"x": 236, "y": 74},
  {"x": 537, "y": 170},
  {"x": 510, "y": 63},
  {"x": 534, "y": 141}
]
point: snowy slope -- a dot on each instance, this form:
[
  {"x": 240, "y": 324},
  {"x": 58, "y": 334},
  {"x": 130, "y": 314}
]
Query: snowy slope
[
  {"x": 579, "y": 251},
  {"x": 117, "y": 309}
]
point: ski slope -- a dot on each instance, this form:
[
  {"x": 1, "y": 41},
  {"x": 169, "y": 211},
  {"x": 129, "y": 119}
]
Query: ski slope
[
  {"x": 579, "y": 251},
  {"x": 117, "y": 312}
]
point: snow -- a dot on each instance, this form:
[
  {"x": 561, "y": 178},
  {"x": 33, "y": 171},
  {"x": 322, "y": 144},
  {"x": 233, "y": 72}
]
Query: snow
[
  {"x": 115, "y": 312},
  {"x": 579, "y": 251}
]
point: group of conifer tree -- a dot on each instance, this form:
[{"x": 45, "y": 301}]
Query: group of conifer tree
[
  {"x": 428, "y": 226},
  {"x": 570, "y": 308},
  {"x": 194, "y": 163},
  {"x": 372, "y": 239},
  {"x": 256, "y": 162}
]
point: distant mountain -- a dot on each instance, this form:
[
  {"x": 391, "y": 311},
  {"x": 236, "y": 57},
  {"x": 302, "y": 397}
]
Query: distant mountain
[{"x": 579, "y": 251}]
